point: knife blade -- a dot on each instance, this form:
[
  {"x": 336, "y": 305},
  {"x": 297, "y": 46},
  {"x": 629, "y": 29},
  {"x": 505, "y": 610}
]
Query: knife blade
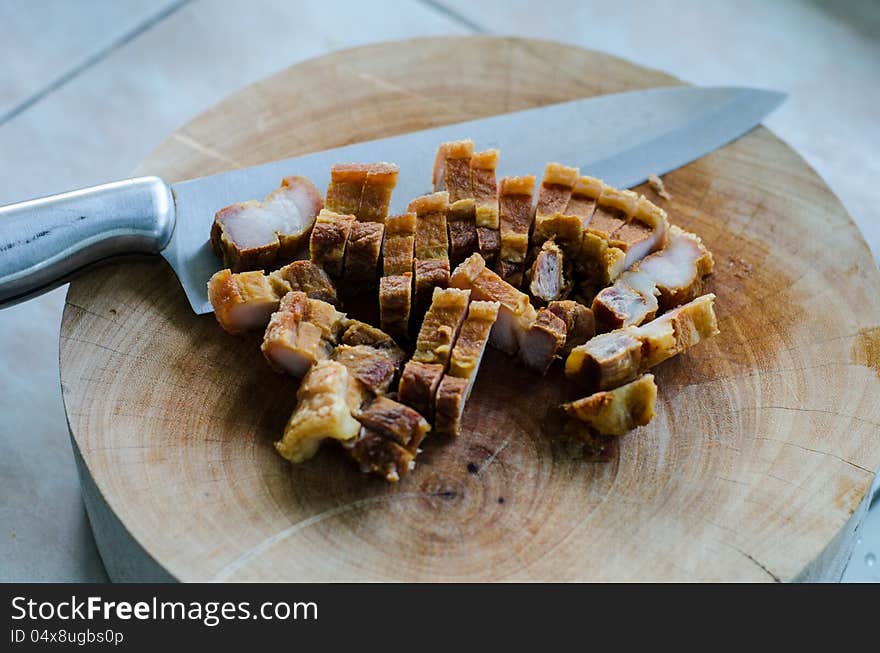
[{"x": 620, "y": 138}]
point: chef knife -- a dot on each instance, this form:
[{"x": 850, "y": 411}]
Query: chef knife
[{"x": 620, "y": 138}]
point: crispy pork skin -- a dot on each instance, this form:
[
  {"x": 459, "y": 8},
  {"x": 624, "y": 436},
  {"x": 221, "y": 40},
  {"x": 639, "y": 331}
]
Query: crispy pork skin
[
  {"x": 515, "y": 218},
  {"x": 329, "y": 239},
  {"x": 306, "y": 277},
  {"x": 678, "y": 269},
  {"x": 580, "y": 324},
  {"x": 542, "y": 342},
  {"x": 322, "y": 412},
  {"x": 362, "y": 253},
  {"x": 395, "y": 304},
  {"x": 301, "y": 332},
  {"x": 397, "y": 249},
  {"x": 244, "y": 301},
  {"x": 617, "y": 357},
  {"x": 449, "y": 405},
  {"x": 516, "y": 313},
  {"x": 472, "y": 340},
  {"x": 255, "y": 235},
  {"x": 618, "y": 411},
  {"x": 441, "y": 325},
  {"x": 418, "y": 386},
  {"x": 629, "y": 302},
  {"x": 376, "y": 194}
]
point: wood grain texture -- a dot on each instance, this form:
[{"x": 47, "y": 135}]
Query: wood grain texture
[{"x": 764, "y": 442}]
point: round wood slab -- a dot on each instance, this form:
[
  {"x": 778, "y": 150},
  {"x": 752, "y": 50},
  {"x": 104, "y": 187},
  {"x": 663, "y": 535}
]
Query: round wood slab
[{"x": 763, "y": 447}]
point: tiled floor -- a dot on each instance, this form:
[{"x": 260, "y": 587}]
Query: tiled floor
[{"x": 87, "y": 89}]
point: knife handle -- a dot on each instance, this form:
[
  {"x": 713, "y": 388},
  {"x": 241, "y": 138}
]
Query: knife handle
[{"x": 43, "y": 241}]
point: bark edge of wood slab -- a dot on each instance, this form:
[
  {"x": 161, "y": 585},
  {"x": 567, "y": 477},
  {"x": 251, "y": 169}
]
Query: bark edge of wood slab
[{"x": 754, "y": 469}]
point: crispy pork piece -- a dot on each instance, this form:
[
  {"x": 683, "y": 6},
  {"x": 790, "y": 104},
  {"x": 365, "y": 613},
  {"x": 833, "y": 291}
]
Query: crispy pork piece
[
  {"x": 301, "y": 332},
  {"x": 375, "y": 454},
  {"x": 547, "y": 277},
  {"x": 542, "y": 342},
  {"x": 613, "y": 209},
  {"x": 397, "y": 249},
  {"x": 395, "y": 421},
  {"x": 427, "y": 275},
  {"x": 243, "y": 301},
  {"x": 431, "y": 247},
  {"x": 472, "y": 340},
  {"x": 329, "y": 239},
  {"x": 612, "y": 359},
  {"x": 552, "y": 219},
  {"x": 355, "y": 332},
  {"x": 449, "y": 405},
  {"x": 489, "y": 241},
  {"x": 679, "y": 268},
  {"x": 516, "y": 314},
  {"x": 580, "y": 324},
  {"x": 441, "y": 325},
  {"x": 629, "y": 302},
  {"x": 584, "y": 195},
  {"x": 645, "y": 232},
  {"x": 362, "y": 253},
  {"x": 515, "y": 217},
  {"x": 452, "y": 172},
  {"x": 618, "y": 411},
  {"x": 395, "y": 303},
  {"x": 346, "y": 187},
  {"x": 322, "y": 412},
  {"x": 372, "y": 367},
  {"x": 485, "y": 186},
  {"x": 376, "y": 195},
  {"x": 418, "y": 386},
  {"x": 306, "y": 277},
  {"x": 599, "y": 264},
  {"x": 254, "y": 235}
]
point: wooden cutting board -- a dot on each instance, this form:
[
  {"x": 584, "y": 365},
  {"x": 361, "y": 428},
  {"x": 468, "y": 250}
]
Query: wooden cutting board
[{"x": 764, "y": 443}]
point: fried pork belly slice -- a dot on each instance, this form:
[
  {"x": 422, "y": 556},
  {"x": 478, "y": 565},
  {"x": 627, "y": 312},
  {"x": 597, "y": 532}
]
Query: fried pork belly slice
[
  {"x": 645, "y": 232},
  {"x": 428, "y": 275},
  {"x": 580, "y": 324},
  {"x": 322, "y": 412},
  {"x": 452, "y": 170},
  {"x": 516, "y": 314},
  {"x": 370, "y": 366},
  {"x": 449, "y": 405},
  {"x": 515, "y": 216},
  {"x": 472, "y": 340},
  {"x": 375, "y": 454},
  {"x": 376, "y": 195},
  {"x": 306, "y": 277},
  {"x": 584, "y": 195},
  {"x": 418, "y": 386},
  {"x": 396, "y": 422},
  {"x": 346, "y": 187},
  {"x": 554, "y": 195},
  {"x": 441, "y": 325},
  {"x": 542, "y": 342},
  {"x": 629, "y": 302},
  {"x": 547, "y": 278},
  {"x": 300, "y": 333},
  {"x": 253, "y": 235},
  {"x": 489, "y": 244},
  {"x": 395, "y": 303},
  {"x": 463, "y": 239},
  {"x": 613, "y": 209},
  {"x": 618, "y": 411},
  {"x": 599, "y": 263},
  {"x": 679, "y": 268},
  {"x": 485, "y": 187},
  {"x": 612, "y": 359},
  {"x": 431, "y": 241},
  {"x": 362, "y": 252},
  {"x": 355, "y": 332},
  {"x": 329, "y": 238},
  {"x": 243, "y": 301},
  {"x": 397, "y": 249}
]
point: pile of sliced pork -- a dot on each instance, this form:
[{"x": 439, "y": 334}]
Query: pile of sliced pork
[{"x": 574, "y": 270}]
